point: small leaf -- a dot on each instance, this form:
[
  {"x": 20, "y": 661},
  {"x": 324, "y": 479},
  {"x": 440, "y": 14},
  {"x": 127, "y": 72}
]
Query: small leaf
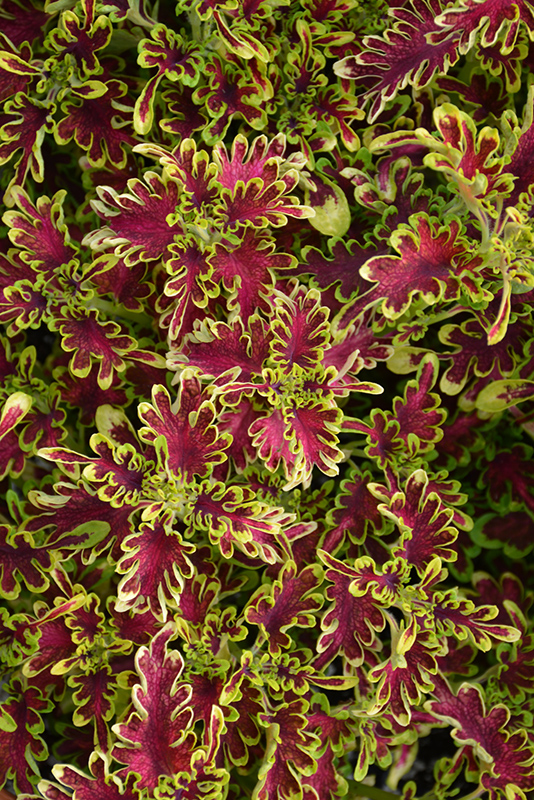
[
  {"x": 500, "y": 395},
  {"x": 332, "y": 212}
]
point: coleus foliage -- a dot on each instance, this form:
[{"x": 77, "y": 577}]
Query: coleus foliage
[{"x": 266, "y": 399}]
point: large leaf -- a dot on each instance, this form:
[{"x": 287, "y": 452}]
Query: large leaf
[
  {"x": 434, "y": 262},
  {"x": 258, "y": 205},
  {"x": 39, "y": 231},
  {"x": 350, "y": 624},
  {"x": 261, "y": 159},
  {"x": 28, "y": 122},
  {"x": 290, "y": 601},
  {"x": 235, "y": 518},
  {"x": 101, "y": 125},
  {"x": 218, "y": 347},
  {"x": 423, "y": 520},
  {"x": 356, "y": 512},
  {"x": 185, "y": 436},
  {"x": 301, "y": 332},
  {"x": 79, "y": 519},
  {"x": 504, "y": 757},
  {"x": 154, "y": 566},
  {"x": 406, "y": 676},
  {"x": 21, "y": 745},
  {"x": 289, "y": 755},
  {"x": 300, "y": 437},
  {"x": 156, "y": 738},
  {"x": 189, "y": 288},
  {"x": 228, "y": 93},
  {"x": 491, "y": 18},
  {"x": 99, "y": 785},
  {"x": 404, "y": 55},
  {"x": 21, "y": 559},
  {"x": 92, "y": 340},
  {"x": 174, "y": 58},
  {"x": 137, "y": 227},
  {"x": 248, "y": 271}
]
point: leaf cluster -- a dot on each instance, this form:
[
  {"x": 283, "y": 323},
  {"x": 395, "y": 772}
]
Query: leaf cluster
[{"x": 266, "y": 399}]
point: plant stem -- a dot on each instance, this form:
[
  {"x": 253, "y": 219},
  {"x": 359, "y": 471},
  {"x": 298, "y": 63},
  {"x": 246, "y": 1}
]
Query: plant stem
[
  {"x": 474, "y": 794},
  {"x": 360, "y": 789},
  {"x": 372, "y": 792},
  {"x": 118, "y": 310}
]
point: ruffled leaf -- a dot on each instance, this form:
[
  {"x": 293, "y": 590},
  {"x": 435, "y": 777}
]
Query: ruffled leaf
[
  {"x": 290, "y": 601},
  {"x": 435, "y": 263},
  {"x": 21, "y": 744},
  {"x": 156, "y": 738},
  {"x": 185, "y": 437}
]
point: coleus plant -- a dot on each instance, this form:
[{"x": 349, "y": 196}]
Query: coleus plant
[{"x": 267, "y": 399}]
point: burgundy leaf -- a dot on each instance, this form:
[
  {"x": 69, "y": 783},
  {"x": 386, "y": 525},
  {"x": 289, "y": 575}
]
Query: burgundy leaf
[
  {"x": 175, "y": 58},
  {"x": 157, "y": 738},
  {"x": 188, "y": 291},
  {"x": 234, "y": 518},
  {"x": 259, "y": 205},
  {"x": 126, "y": 283},
  {"x": 20, "y": 737},
  {"x": 405, "y": 54},
  {"x": 40, "y": 232},
  {"x": 350, "y": 624},
  {"x": 81, "y": 40},
  {"x": 299, "y": 437},
  {"x": 185, "y": 117},
  {"x": 22, "y": 22},
  {"x": 356, "y": 513},
  {"x": 493, "y": 18},
  {"x": 226, "y": 95},
  {"x": 301, "y": 331},
  {"x": 405, "y": 677},
  {"x": 424, "y": 522},
  {"x": 101, "y": 126},
  {"x": 184, "y": 435},
  {"x": 93, "y": 341},
  {"x": 418, "y": 414},
  {"x": 154, "y": 566},
  {"x": 472, "y": 354},
  {"x": 503, "y": 755},
  {"x": 291, "y": 601},
  {"x": 138, "y": 229},
  {"x": 290, "y": 757},
  {"x": 248, "y": 271},
  {"x": 80, "y": 518},
  {"x": 259, "y": 159},
  {"x": 86, "y": 396},
  {"x": 100, "y": 785},
  {"x": 435, "y": 263},
  {"x": 21, "y": 559},
  {"x": 510, "y": 478},
  {"x": 343, "y": 268},
  {"x": 514, "y": 532},
  {"x": 28, "y": 121}
]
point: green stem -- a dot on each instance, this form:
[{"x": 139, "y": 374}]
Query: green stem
[
  {"x": 445, "y": 315},
  {"x": 372, "y": 792},
  {"x": 112, "y": 310},
  {"x": 360, "y": 789},
  {"x": 489, "y": 672},
  {"x": 473, "y": 795},
  {"x": 475, "y": 208},
  {"x": 196, "y": 26}
]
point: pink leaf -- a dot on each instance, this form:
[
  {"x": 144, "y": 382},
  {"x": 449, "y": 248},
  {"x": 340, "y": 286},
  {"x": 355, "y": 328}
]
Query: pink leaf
[
  {"x": 157, "y": 738},
  {"x": 138, "y": 227},
  {"x": 291, "y": 601},
  {"x": 185, "y": 435}
]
